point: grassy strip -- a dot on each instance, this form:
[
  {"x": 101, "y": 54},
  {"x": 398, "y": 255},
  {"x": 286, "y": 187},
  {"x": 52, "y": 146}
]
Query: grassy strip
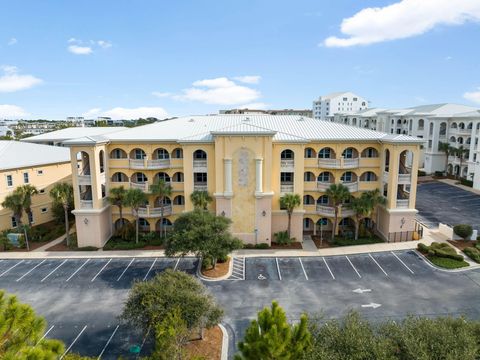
[
  {"x": 361, "y": 241},
  {"x": 447, "y": 263}
]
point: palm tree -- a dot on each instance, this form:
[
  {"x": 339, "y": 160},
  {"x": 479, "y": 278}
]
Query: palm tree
[
  {"x": 163, "y": 190},
  {"x": 289, "y": 202},
  {"x": 338, "y": 193},
  {"x": 448, "y": 150},
  {"x": 15, "y": 202},
  {"x": 117, "y": 198},
  {"x": 27, "y": 192},
  {"x": 135, "y": 198},
  {"x": 365, "y": 205},
  {"x": 461, "y": 152},
  {"x": 62, "y": 193},
  {"x": 200, "y": 199}
]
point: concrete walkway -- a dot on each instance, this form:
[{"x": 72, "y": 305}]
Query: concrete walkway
[
  {"x": 52, "y": 243},
  {"x": 463, "y": 187}
]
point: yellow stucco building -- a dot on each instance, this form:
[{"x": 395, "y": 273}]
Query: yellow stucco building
[
  {"x": 247, "y": 162},
  {"x": 39, "y": 165}
]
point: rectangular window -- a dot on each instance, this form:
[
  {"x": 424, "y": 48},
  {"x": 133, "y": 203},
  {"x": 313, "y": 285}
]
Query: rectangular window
[
  {"x": 355, "y": 99},
  {"x": 39, "y": 172},
  {"x": 200, "y": 177},
  {"x": 286, "y": 177},
  {"x": 30, "y": 218},
  {"x": 345, "y": 99},
  {"x": 9, "y": 180},
  {"x": 25, "y": 178},
  {"x": 14, "y": 222},
  {"x": 44, "y": 210}
]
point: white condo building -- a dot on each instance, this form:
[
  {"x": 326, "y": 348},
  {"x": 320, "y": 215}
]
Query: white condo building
[
  {"x": 339, "y": 102},
  {"x": 459, "y": 125}
]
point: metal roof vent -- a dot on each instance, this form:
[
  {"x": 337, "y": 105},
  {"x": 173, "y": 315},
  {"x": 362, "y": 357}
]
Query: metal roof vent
[
  {"x": 246, "y": 119},
  {"x": 191, "y": 120},
  {"x": 300, "y": 118}
]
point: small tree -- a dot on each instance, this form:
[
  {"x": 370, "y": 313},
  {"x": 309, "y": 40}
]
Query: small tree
[
  {"x": 364, "y": 206},
  {"x": 150, "y": 302},
  {"x": 272, "y": 337},
  {"x": 289, "y": 202},
  {"x": 27, "y": 191},
  {"x": 135, "y": 198},
  {"x": 62, "y": 193},
  {"x": 201, "y": 199},
  {"x": 117, "y": 197},
  {"x": 15, "y": 202},
  {"x": 463, "y": 230},
  {"x": 337, "y": 193},
  {"x": 461, "y": 153},
  {"x": 162, "y": 190},
  {"x": 446, "y": 148},
  {"x": 204, "y": 234},
  {"x": 171, "y": 336},
  {"x": 22, "y": 331}
]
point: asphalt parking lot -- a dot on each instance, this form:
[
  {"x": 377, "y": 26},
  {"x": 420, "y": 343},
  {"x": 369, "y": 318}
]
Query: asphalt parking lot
[
  {"x": 439, "y": 202},
  {"x": 82, "y": 298}
]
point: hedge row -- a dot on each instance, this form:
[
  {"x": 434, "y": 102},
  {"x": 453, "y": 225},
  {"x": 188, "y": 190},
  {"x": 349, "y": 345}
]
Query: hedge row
[
  {"x": 473, "y": 253},
  {"x": 440, "y": 250}
]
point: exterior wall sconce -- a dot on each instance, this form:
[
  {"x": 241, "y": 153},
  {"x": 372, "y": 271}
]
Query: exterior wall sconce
[
  {"x": 223, "y": 213},
  {"x": 264, "y": 213}
]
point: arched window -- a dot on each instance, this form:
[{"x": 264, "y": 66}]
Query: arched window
[
  {"x": 323, "y": 200},
  {"x": 453, "y": 139},
  {"x": 326, "y": 153},
  {"x": 460, "y": 140},
  {"x": 177, "y": 153},
  {"x": 470, "y": 126},
  {"x": 119, "y": 177},
  {"x": 137, "y": 154},
  {"x": 421, "y": 124},
  {"x": 387, "y": 159},
  {"x": 165, "y": 201},
  {"x": 399, "y": 122},
  {"x": 443, "y": 129},
  {"x": 178, "y": 177},
  {"x": 308, "y": 200},
  {"x": 162, "y": 176},
  {"x": 308, "y": 176},
  {"x": 310, "y": 153},
  {"x": 139, "y": 178},
  {"x": 461, "y": 126},
  {"x": 368, "y": 176},
  {"x": 325, "y": 177},
  {"x": 287, "y": 155},
  {"x": 179, "y": 200},
  {"x": 161, "y": 154},
  {"x": 469, "y": 140},
  {"x": 118, "y": 154},
  {"x": 350, "y": 153},
  {"x": 199, "y": 155},
  {"x": 83, "y": 163},
  {"x": 430, "y": 131},
  {"x": 370, "y": 153},
  {"x": 348, "y": 176},
  {"x": 101, "y": 161},
  {"x": 453, "y": 125}
]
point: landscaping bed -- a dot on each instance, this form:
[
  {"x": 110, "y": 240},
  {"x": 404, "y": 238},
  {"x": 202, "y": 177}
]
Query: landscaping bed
[
  {"x": 72, "y": 247},
  {"x": 293, "y": 245},
  {"x": 340, "y": 241},
  {"x": 463, "y": 244},
  {"x": 220, "y": 269},
  {"x": 442, "y": 255},
  {"x": 149, "y": 241},
  {"x": 210, "y": 347}
]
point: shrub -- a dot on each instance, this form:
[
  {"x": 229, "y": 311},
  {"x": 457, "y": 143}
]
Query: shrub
[
  {"x": 421, "y": 173},
  {"x": 223, "y": 259},
  {"x": 422, "y": 248},
  {"x": 463, "y": 230},
  {"x": 439, "y": 173},
  {"x": 473, "y": 253},
  {"x": 262, "y": 246},
  {"x": 448, "y": 263},
  {"x": 477, "y": 245},
  {"x": 466, "y": 182},
  {"x": 282, "y": 238},
  {"x": 207, "y": 263}
]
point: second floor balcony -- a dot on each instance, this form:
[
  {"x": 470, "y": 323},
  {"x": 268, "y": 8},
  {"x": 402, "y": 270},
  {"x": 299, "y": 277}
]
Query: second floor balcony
[
  {"x": 154, "y": 212},
  {"x": 200, "y": 186},
  {"x": 286, "y": 188}
]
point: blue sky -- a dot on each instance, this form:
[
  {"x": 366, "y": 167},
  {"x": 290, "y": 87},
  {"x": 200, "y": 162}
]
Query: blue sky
[{"x": 127, "y": 58}]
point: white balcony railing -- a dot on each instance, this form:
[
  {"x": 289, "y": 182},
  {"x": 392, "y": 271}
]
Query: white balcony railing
[
  {"x": 352, "y": 186},
  {"x": 404, "y": 178},
  {"x": 84, "y": 179},
  {"x": 350, "y": 163},
  {"x": 322, "y": 186},
  {"x": 137, "y": 163},
  {"x": 385, "y": 176},
  {"x": 158, "y": 164},
  {"x": 200, "y": 187},
  {"x": 325, "y": 210},
  {"x": 141, "y": 186},
  {"x": 347, "y": 211},
  {"x": 329, "y": 163},
  {"x": 402, "y": 203},
  {"x": 288, "y": 164},
  {"x": 148, "y": 212},
  {"x": 286, "y": 188},
  {"x": 199, "y": 163},
  {"x": 86, "y": 204}
]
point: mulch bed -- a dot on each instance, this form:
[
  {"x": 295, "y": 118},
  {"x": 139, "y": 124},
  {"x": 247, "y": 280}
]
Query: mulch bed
[
  {"x": 33, "y": 245},
  {"x": 220, "y": 270},
  {"x": 60, "y": 247},
  {"x": 210, "y": 347},
  {"x": 321, "y": 244},
  {"x": 293, "y": 246},
  {"x": 461, "y": 244}
]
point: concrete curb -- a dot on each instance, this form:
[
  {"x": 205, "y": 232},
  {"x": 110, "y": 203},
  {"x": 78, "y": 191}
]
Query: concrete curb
[
  {"x": 433, "y": 266},
  {"x": 224, "y": 355},
  {"x": 207, "y": 278}
]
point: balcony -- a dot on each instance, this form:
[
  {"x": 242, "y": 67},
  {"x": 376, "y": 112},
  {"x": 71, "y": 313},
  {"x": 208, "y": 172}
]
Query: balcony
[
  {"x": 367, "y": 185},
  {"x": 405, "y": 179},
  {"x": 199, "y": 165},
  {"x": 402, "y": 203},
  {"x": 287, "y": 165},
  {"x": 325, "y": 210},
  {"x": 385, "y": 176},
  {"x": 141, "y": 186},
  {"x": 148, "y": 212},
  {"x": 200, "y": 186},
  {"x": 352, "y": 186},
  {"x": 105, "y": 201},
  {"x": 347, "y": 211},
  {"x": 286, "y": 188},
  {"x": 350, "y": 163},
  {"x": 310, "y": 186},
  {"x": 323, "y": 186},
  {"x": 86, "y": 204},
  {"x": 137, "y": 163},
  {"x": 84, "y": 179},
  {"x": 149, "y": 164},
  {"x": 338, "y": 163}
]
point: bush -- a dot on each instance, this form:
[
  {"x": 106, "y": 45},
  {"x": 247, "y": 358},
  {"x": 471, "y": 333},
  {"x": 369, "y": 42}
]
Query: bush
[
  {"x": 448, "y": 263},
  {"x": 282, "y": 238},
  {"x": 443, "y": 255},
  {"x": 477, "y": 245},
  {"x": 473, "y": 253},
  {"x": 115, "y": 244},
  {"x": 422, "y": 248},
  {"x": 421, "y": 173},
  {"x": 207, "y": 263},
  {"x": 439, "y": 173},
  {"x": 466, "y": 182},
  {"x": 262, "y": 246},
  {"x": 463, "y": 230}
]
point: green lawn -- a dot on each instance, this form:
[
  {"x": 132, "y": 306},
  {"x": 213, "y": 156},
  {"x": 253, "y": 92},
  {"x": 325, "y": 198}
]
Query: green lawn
[
  {"x": 350, "y": 241},
  {"x": 447, "y": 263}
]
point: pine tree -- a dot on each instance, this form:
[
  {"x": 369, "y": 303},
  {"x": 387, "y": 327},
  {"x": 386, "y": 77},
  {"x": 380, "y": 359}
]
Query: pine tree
[{"x": 272, "y": 337}]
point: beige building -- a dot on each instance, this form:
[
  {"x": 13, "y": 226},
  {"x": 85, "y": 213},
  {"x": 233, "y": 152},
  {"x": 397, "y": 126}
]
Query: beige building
[
  {"x": 39, "y": 165},
  {"x": 247, "y": 162}
]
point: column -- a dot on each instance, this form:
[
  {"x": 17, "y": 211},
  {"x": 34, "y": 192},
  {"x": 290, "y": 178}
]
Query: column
[
  {"x": 259, "y": 175},
  {"x": 227, "y": 170}
]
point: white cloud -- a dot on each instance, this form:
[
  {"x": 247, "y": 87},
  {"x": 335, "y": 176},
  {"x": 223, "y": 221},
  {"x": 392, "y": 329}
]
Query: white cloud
[
  {"x": 92, "y": 113},
  {"x": 104, "y": 44},
  {"x": 161, "y": 94},
  {"x": 135, "y": 113},
  {"x": 220, "y": 91},
  {"x": 12, "y": 81},
  {"x": 12, "y": 112},
  {"x": 403, "y": 19},
  {"x": 12, "y": 41},
  {"x": 248, "y": 79},
  {"x": 80, "y": 50},
  {"x": 473, "y": 96}
]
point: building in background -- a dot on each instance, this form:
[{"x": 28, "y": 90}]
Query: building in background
[
  {"x": 39, "y": 165},
  {"x": 247, "y": 162},
  {"x": 301, "y": 112},
  {"x": 57, "y": 137},
  {"x": 344, "y": 102}
]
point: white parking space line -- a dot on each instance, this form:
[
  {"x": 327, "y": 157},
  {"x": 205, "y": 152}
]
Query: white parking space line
[
  {"x": 124, "y": 271},
  {"x": 76, "y": 271},
  {"x": 104, "y": 266},
  {"x": 151, "y": 267},
  {"x": 376, "y": 262},
  {"x": 51, "y": 272},
  {"x": 354, "y": 268},
  {"x": 29, "y": 271},
  {"x": 176, "y": 265},
  {"x": 278, "y": 270},
  {"x": 304, "y": 272},
  {"x": 328, "y": 267},
  {"x": 10, "y": 268},
  {"x": 108, "y": 342},
  {"x": 74, "y": 341},
  {"x": 143, "y": 343},
  {"x": 243, "y": 268},
  {"x": 402, "y": 262},
  {"x": 45, "y": 335}
]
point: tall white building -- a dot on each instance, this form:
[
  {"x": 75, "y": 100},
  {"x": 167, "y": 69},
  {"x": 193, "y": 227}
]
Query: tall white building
[
  {"x": 457, "y": 125},
  {"x": 339, "y": 102}
]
